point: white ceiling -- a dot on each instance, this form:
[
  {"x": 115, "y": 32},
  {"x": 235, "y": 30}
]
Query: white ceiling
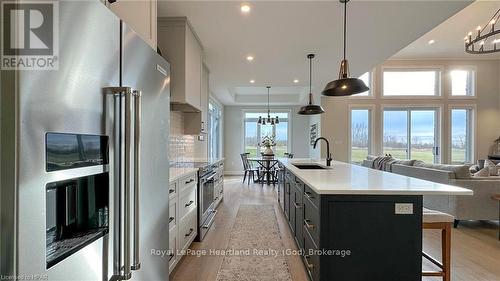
[
  {"x": 449, "y": 36},
  {"x": 279, "y": 34}
]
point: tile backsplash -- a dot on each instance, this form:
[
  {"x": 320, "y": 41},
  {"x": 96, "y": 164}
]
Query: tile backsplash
[{"x": 184, "y": 147}]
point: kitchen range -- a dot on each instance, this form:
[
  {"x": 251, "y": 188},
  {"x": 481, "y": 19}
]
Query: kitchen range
[{"x": 84, "y": 160}]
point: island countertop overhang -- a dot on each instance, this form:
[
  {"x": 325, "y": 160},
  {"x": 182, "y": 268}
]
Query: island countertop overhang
[{"x": 348, "y": 179}]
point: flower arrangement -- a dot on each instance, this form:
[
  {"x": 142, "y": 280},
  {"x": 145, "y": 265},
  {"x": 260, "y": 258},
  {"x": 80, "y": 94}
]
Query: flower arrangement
[{"x": 267, "y": 141}]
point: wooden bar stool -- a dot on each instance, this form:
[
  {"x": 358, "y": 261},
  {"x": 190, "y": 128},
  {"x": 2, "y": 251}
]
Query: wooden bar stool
[{"x": 439, "y": 220}]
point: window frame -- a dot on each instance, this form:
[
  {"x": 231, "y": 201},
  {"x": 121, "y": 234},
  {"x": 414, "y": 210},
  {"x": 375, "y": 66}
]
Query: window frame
[
  {"x": 438, "y": 87},
  {"x": 438, "y": 138},
  {"x": 371, "y": 110},
  {"x": 371, "y": 92},
  {"x": 264, "y": 111},
  {"x": 473, "y": 70},
  {"x": 472, "y": 131},
  {"x": 220, "y": 131}
]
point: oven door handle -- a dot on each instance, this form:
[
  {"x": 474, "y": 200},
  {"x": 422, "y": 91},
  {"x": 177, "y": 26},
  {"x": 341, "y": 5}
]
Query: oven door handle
[{"x": 210, "y": 178}]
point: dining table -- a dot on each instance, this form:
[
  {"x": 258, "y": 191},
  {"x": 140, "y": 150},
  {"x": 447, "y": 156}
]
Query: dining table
[{"x": 266, "y": 165}]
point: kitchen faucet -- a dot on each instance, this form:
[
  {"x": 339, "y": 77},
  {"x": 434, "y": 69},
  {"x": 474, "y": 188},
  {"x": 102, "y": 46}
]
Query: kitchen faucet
[{"x": 328, "y": 154}]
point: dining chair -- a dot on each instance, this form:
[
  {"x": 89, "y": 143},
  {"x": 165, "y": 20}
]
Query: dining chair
[{"x": 248, "y": 168}]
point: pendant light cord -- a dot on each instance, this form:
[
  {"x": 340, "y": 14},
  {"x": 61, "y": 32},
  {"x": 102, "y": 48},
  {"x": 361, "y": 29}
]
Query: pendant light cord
[
  {"x": 345, "y": 23},
  {"x": 310, "y": 79},
  {"x": 268, "y": 110}
]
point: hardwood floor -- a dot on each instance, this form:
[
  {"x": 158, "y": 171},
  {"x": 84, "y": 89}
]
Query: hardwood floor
[{"x": 475, "y": 248}]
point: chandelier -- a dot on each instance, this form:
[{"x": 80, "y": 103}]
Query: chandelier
[
  {"x": 485, "y": 40},
  {"x": 268, "y": 120}
]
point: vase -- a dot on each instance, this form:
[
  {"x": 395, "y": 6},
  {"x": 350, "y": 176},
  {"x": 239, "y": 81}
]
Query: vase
[{"x": 268, "y": 151}]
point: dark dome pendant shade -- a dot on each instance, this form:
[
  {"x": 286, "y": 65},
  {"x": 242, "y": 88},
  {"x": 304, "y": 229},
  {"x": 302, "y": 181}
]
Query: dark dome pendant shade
[
  {"x": 345, "y": 85},
  {"x": 310, "y": 109}
]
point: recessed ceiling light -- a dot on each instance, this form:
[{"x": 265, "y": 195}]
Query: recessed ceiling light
[
  {"x": 245, "y": 8},
  {"x": 252, "y": 81},
  {"x": 296, "y": 81},
  {"x": 432, "y": 41},
  {"x": 249, "y": 58}
]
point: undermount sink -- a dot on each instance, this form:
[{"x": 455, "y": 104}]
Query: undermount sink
[{"x": 309, "y": 166}]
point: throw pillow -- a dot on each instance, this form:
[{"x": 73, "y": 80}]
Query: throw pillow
[
  {"x": 484, "y": 172},
  {"x": 492, "y": 167}
]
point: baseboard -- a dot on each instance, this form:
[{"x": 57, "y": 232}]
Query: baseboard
[{"x": 233, "y": 173}]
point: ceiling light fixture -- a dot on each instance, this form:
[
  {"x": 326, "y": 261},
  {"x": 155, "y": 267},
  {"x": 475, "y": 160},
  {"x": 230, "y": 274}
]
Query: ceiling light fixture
[
  {"x": 310, "y": 109},
  {"x": 245, "y": 8},
  {"x": 268, "y": 120},
  {"x": 252, "y": 81},
  {"x": 296, "y": 81},
  {"x": 484, "y": 34},
  {"x": 345, "y": 85},
  {"x": 432, "y": 41},
  {"x": 250, "y": 58}
]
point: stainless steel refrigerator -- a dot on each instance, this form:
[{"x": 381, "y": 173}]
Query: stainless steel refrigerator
[{"x": 84, "y": 156}]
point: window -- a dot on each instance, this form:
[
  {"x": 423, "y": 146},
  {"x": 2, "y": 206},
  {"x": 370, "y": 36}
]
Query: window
[
  {"x": 367, "y": 78},
  {"x": 214, "y": 131},
  {"x": 462, "y": 82},
  {"x": 411, "y": 82},
  {"x": 411, "y": 134},
  {"x": 254, "y": 133},
  {"x": 360, "y": 134},
  {"x": 461, "y": 135}
]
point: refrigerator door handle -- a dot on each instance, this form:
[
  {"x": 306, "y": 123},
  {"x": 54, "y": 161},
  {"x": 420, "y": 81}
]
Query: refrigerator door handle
[
  {"x": 136, "y": 264},
  {"x": 122, "y": 111}
]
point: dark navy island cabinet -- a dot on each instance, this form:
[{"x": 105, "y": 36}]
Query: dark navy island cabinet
[{"x": 353, "y": 237}]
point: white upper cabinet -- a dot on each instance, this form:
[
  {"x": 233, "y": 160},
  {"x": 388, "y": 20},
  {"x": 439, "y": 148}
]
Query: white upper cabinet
[
  {"x": 140, "y": 15},
  {"x": 180, "y": 46}
]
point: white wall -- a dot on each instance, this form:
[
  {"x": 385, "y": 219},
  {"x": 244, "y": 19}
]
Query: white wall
[
  {"x": 334, "y": 123},
  {"x": 233, "y": 134}
]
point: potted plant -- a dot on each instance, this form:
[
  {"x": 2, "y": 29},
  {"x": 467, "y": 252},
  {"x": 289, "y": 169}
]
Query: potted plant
[{"x": 268, "y": 142}]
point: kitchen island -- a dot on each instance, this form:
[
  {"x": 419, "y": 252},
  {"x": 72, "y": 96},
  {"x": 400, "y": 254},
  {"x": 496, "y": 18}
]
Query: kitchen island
[{"x": 354, "y": 223}]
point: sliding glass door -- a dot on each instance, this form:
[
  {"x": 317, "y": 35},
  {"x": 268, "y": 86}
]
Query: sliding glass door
[{"x": 412, "y": 133}]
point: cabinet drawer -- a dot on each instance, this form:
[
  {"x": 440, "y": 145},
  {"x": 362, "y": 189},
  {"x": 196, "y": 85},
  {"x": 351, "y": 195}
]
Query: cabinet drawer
[
  {"x": 289, "y": 174},
  {"x": 311, "y": 221},
  {"x": 172, "y": 215},
  {"x": 172, "y": 190},
  {"x": 172, "y": 249},
  {"x": 312, "y": 196},
  {"x": 188, "y": 230},
  {"x": 187, "y": 181},
  {"x": 311, "y": 261},
  {"x": 187, "y": 201},
  {"x": 299, "y": 185}
]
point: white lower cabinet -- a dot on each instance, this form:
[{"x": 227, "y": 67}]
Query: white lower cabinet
[{"x": 183, "y": 220}]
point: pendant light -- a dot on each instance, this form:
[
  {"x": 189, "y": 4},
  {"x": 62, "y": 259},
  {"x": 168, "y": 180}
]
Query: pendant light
[
  {"x": 345, "y": 85},
  {"x": 310, "y": 109},
  {"x": 268, "y": 120}
]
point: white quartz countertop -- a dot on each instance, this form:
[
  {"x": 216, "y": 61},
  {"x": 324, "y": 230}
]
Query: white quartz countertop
[
  {"x": 344, "y": 178},
  {"x": 177, "y": 173}
]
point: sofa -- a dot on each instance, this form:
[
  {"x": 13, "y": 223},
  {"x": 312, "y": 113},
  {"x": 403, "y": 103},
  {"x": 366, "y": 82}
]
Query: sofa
[{"x": 479, "y": 206}]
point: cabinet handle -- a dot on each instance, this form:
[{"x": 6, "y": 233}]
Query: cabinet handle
[
  {"x": 189, "y": 233},
  {"x": 308, "y": 195},
  {"x": 171, "y": 191},
  {"x": 170, "y": 257},
  {"x": 189, "y": 203},
  {"x": 189, "y": 181},
  {"x": 308, "y": 265},
  {"x": 298, "y": 206},
  {"x": 170, "y": 219},
  {"x": 308, "y": 225}
]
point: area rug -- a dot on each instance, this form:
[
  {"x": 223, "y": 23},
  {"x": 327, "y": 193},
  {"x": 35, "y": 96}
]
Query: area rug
[{"x": 255, "y": 251}]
